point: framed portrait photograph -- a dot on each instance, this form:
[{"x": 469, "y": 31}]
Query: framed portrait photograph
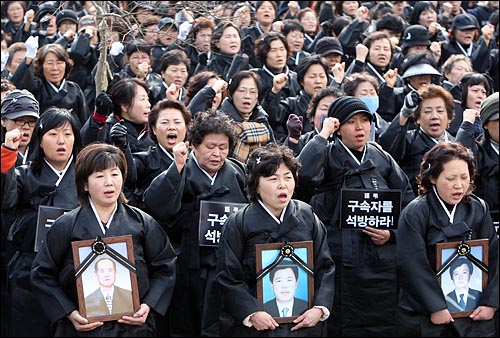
[
  {"x": 462, "y": 270},
  {"x": 285, "y": 279},
  {"x": 106, "y": 279}
]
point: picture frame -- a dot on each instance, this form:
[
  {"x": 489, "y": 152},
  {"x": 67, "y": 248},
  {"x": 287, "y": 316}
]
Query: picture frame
[
  {"x": 296, "y": 259},
  {"x": 94, "y": 262},
  {"x": 453, "y": 265}
]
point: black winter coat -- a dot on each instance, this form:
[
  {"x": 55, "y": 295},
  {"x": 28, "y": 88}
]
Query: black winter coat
[
  {"x": 25, "y": 190},
  {"x": 70, "y": 96},
  {"x": 53, "y": 278},
  {"x": 408, "y": 147},
  {"x": 174, "y": 199},
  {"x": 362, "y": 266},
  {"x": 236, "y": 266},
  {"x": 423, "y": 224}
]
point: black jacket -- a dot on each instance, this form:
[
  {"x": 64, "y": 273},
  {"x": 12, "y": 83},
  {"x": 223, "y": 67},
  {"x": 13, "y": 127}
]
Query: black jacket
[
  {"x": 25, "y": 190},
  {"x": 423, "y": 224},
  {"x": 407, "y": 147},
  {"x": 281, "y": 110},
  {"x": 195, "y": 299},
  {"x": 488, "y": 177},
  {"x": 53, "y": 275},
  {"x": 70, "y": 96},
  {"x": 362, "y": 266},
  {"x": 236, "y": 265}
]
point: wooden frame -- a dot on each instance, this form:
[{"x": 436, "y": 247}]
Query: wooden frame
[
  {"x": 478, "y": 280},
  {"x": 266, "y": 254},
  {"x": 90, "y": 298}
]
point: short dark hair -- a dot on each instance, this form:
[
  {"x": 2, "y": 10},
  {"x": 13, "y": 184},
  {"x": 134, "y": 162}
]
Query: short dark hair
[
  {"x": 124, "y": 92},
  {"x": 49, "y": 119},
  {"x": 238, "y": 77},
  {"x": 167, "y": 104},
  {"x": 264, "y": 161},
  {"x": 138, "y": 45},
  {"x": 459, "y": 262},
  {"x": 97, "y": 157},
  {"x": 352, "y": 81},
  {"x": 313, "y": 104},
  {"x": 306, "y": 63},
  {"x": 264, "y": 45},
  {"x": 284, "y": 265},
  {"x": 174, "y": 57},
  {"x": 433, "y": 162},
  {"x": 198, "y": 81},
  {"x": 474, "y": 79}
]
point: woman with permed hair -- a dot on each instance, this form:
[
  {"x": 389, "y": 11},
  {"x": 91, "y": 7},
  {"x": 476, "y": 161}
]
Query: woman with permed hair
[
  {"x": 445, "y": 211},
  {"x": 272, "y": 217},
  {"x": 201, "y": 171}
]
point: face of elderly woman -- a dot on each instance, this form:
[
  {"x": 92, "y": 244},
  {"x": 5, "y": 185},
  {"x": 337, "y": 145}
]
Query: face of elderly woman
[{"x": 54, "y": 69}]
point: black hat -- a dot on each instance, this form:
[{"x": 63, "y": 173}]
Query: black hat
[
  {"x": 415, "y": 35},
  {"x": 464, "y": 21},
  {"x": 166, "y": 21},
  {"x": 47, "y": 7},
  {"x": 346, "y": 107},
  {"x": 18, "y": 103},
  {"x": 66, "y": 14},
  {"x": 489, "y": 109},
  {"x": 328, "y": 45}
]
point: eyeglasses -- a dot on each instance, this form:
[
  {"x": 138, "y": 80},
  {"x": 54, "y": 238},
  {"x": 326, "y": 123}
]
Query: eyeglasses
[{"x": 22, "y": 123}]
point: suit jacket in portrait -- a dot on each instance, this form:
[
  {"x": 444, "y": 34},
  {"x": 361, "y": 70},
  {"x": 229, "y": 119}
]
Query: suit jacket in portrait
[
  {"x": 95, "y": 303},
  {"x": 299, "y": 306},
  {"x": 471, "y": 303}
]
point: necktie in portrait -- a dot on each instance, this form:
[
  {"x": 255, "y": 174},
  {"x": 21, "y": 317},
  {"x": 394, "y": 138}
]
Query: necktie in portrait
[
  {"x": 109, "y": 303},
  {"x": 284, "y": 311},
  {"x": 461, "y": 303}
]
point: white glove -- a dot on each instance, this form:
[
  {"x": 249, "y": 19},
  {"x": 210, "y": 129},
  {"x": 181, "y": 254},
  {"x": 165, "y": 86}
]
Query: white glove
[
  {"x": 31, "y": 47},
  {"x": 5, "y": 57},
  {"x": 116, "y": 48}
]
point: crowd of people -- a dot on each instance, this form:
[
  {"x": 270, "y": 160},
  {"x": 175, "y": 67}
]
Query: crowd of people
[{"x": 134, "y": 118}]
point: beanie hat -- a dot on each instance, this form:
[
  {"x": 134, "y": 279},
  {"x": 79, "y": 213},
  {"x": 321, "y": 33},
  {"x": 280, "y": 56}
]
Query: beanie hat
[
  {"x": 18, "y": 103},
  {"x": 345, "y": 107},
  {"x": 66, "y": 14},
  {"x": 415, "y": 35},
  {"x": 489, "y": 109}
]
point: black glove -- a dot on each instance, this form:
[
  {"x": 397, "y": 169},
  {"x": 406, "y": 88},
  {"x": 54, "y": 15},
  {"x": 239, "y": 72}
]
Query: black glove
[
  {"x": 119, "y": 135},
  {"x": 294, "y": 126},
  {"x": 103, "y": 104},
  {"x": 412, "y": 100}
]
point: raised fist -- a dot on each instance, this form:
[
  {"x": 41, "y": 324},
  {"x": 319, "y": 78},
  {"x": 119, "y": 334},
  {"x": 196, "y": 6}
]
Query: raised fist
[
  {"x": 412, "y": 100},
  {"x": 119, "y": 135},
  {"x": 294, "y": 126}
]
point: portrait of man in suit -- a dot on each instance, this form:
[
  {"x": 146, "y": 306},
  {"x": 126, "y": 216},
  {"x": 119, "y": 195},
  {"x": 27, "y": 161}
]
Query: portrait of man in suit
[
  {"x": 462, "y": 298},
  {"x": 284, "y": 283},
  {"x": 108, "y": 298}
]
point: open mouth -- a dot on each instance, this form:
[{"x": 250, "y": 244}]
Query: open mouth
[
  {"x": 61, "y": 150},
  {"x": 283, "y": 197}
]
